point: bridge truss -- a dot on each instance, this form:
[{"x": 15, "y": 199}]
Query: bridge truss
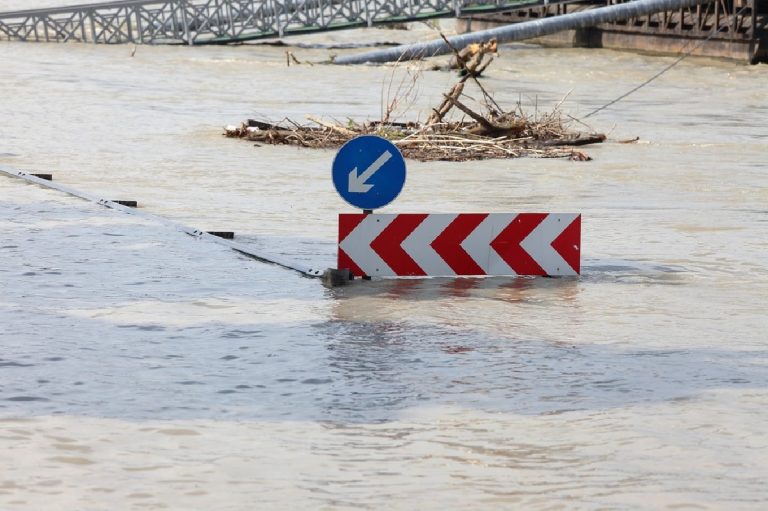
[
  {"x": 730, "y": 28},
  {"x": 739, "y": 19},
  {"x": 222, "y": 21}
]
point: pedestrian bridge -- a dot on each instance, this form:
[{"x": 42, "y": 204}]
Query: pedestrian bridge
[{"x": 224, "y": 21}]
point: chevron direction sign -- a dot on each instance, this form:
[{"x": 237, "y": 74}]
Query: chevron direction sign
[{"x": 460, "y": 244}]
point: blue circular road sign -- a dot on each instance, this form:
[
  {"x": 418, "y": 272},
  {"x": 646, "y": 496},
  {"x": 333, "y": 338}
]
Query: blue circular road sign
[{"x": 368, "y": 172}]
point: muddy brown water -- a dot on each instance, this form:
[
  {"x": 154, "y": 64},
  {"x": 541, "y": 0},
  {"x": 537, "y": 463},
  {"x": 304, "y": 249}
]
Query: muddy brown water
[{"x": 141, "y": 368}]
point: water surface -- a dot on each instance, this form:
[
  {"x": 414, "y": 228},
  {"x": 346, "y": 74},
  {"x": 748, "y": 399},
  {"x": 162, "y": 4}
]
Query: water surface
[{"x": 142, "y": 368}]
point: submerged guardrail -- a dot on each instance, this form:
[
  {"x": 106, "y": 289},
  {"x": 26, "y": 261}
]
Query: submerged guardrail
[{"x": 222, "y": 238}]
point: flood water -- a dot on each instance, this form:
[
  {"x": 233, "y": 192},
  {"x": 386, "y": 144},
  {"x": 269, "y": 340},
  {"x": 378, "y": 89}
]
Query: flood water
[{"x": 144, "y": 369}]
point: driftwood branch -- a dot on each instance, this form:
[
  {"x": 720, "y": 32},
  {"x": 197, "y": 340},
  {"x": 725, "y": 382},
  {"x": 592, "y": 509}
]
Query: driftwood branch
[
  {"x": 333, "y": 127},
  {"x": 473, "y": 73},
  {"x": 575, "y": 141},
  {"x": 482, "y": 121},
  {"x": 447, "y": 103}
]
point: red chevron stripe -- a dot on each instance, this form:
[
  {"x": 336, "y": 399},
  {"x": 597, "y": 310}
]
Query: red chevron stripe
[
  {"x": 507, "y": 243},
  {"x": 387, "y": 245},
  {"x": 448, "y": 244},
  {"x": 568, "y": 244},
  {"x": 346, "y": 262},
  {"x": 347, "y": 224}
]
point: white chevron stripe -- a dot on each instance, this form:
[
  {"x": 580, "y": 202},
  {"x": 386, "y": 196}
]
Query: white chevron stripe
[
  {"x": 539, "y": 243},
  {"x": 417, "y": 245},
  {"x": 357, "y": 245},
  {"x": 478, "y": 244}
]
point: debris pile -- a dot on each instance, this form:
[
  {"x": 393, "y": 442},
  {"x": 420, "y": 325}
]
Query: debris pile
[{"x": 497, "y": 134}]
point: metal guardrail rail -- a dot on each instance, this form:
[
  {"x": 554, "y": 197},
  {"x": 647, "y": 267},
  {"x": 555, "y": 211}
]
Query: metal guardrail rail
[{"x": 223, "y": 21}]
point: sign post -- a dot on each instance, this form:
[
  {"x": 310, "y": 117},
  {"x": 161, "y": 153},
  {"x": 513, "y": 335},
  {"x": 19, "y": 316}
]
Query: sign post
[{"x": 369, "y": 173}]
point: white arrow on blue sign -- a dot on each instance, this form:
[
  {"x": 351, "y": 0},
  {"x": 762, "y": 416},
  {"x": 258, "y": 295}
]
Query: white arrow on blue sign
[{"x": 369, "y": 172}]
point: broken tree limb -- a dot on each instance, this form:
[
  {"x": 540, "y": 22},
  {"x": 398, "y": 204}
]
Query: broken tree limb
[
  {"x": 472, "y": 69},
  {"x": 447, "y": 104},
  {"x": 482, "y": 121}
]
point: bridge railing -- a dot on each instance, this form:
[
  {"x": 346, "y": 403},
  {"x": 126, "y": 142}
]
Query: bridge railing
[{"x": 216, "y": 21}]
